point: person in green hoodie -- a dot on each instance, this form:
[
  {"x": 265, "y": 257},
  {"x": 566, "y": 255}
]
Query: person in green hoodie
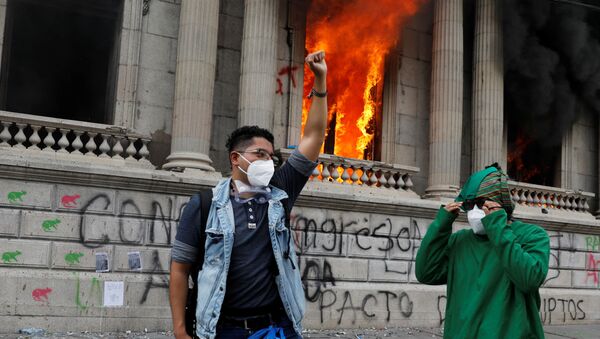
[{"x": 493, "y": 271}]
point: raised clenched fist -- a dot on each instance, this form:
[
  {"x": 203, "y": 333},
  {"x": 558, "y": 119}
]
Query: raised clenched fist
[{"x": 316, "y": 62}]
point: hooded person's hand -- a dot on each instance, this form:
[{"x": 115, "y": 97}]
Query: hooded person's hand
[
  {"x": 491, "y": 207},
  {"x": 453, "y": 207}
]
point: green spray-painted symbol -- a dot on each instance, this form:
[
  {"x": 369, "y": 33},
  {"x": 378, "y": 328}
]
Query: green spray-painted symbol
[
  {"x": 94, "y": 289},
  {"x": 10, "y": 256},
  {"x": 72, "y": 258},
  {"x": 15, "y": 197},
  {"x": 50, "y": 224}
]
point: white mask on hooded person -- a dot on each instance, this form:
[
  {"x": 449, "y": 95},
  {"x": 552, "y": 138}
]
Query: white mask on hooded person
[
  {"x": 259, "y": 172},
  {"x": 474, "y": 217}
]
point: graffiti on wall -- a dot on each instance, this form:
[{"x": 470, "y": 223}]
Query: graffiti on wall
[
  {"x": 330, "y": 237},
  {"x": 287, "y": 71},
  {"x": 561, "y": 309},
  {"x": 388, "y": 246},
  {"x": 592, "y": 263}
]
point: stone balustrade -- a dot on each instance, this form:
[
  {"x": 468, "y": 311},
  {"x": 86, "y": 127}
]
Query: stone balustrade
[
  {"x": 75, "y": 138},
  {"x": 537, "y": 196},
  {"x": 345, "y": 171}
]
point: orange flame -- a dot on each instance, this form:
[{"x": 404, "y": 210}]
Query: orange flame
[{"x": 356, "y": 35}]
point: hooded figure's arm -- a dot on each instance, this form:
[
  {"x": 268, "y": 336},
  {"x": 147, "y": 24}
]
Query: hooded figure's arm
[
  {"x": 525, "y": 262},
  {"x": 432, "y": 259}
]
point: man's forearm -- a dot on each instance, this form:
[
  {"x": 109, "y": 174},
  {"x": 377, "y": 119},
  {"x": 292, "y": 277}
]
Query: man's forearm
[
  {"x": 431, "y": 263},
  {"x": 524, "y": 261},
  {"x": 178, "y": 290},
  {"x": 320, "y": 84},
  {"x": 316, "y": 122}
]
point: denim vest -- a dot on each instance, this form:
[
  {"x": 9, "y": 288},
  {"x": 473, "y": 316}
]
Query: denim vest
[{"x": 212, "y": 279}]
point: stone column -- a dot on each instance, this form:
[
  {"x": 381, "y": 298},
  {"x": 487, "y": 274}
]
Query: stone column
[
  {"x": 488, "y": 86},
  {"x": 194, "y": 84},
  {"x": 597, "y": 200},
  {"x": 129, "y": 61},
  {"x": 259, "y": 63},
  {"x": 2, "y": 23},
  {"x": 446, "y": 117},
  {"x": 390, "y": 101}
]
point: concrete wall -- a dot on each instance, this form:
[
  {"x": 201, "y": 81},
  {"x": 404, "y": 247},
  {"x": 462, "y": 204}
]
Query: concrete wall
[
  {"x": 358, "y": 269},
  {"x": 49, "y": 238},
  {"x": 227, "y": 81},
  {"x": 290, "y": 72},
  {"x": 156, "y": 77},
  {"x": 356, "y": 252}
]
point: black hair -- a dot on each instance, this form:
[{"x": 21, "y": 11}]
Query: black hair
[
  {"x": 242, "y": 137},
  {"x": 498, "y": 167}
]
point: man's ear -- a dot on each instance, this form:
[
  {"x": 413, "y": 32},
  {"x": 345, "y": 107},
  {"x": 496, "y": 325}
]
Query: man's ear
[{"x": 234, "y": 159}]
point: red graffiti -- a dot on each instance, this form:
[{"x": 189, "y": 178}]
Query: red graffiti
[
  {"x": 289, "y": 71},
  {"x": 41, "y": 294},
  {"x": 70, "y": 201},
  {"x": 279, "y": 87},
  {"x": 591, "y": 268}
]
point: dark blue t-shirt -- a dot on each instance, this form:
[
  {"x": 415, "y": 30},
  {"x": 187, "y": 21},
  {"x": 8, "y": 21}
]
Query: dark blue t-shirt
[{"x": 251, "y": 287}]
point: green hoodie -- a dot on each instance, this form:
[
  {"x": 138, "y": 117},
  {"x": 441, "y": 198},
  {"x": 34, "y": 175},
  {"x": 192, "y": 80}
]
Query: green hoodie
[{"x": 492, "y": 280}]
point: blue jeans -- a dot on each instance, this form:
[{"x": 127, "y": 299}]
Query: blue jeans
[{"x": 233, "y": 332}]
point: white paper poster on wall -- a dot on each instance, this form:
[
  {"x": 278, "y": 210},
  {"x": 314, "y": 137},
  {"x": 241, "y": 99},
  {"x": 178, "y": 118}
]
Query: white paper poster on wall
[{"x": 113, "y": 293}]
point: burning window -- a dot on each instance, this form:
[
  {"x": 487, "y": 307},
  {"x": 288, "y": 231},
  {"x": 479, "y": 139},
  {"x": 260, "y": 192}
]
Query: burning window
[
  {"x": 356, "y": 36},
  {"x": 532, "y": 159},
  {"x": 59, "y": 58}
]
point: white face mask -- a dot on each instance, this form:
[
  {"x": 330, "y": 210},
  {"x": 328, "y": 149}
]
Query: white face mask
[
  {"x": 474, "y": 216},
  {"x": 259, "y": 172}
]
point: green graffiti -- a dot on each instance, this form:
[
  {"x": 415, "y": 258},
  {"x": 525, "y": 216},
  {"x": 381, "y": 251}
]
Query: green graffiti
[
  {"x": 592, "y": 243},
  {"x": 10, "y": 256},
  {"x": 94, "y": 288},
  {"x": 50, "y": 224},
  {"x": 14, "y": 197},
  {"x": 72, "y": 258}
]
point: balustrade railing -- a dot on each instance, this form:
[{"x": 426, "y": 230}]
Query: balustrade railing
[
  {"x": 49, "y": 135},
  {"x": 550, "y": 197},
  {"x": 345, "y": 171}
]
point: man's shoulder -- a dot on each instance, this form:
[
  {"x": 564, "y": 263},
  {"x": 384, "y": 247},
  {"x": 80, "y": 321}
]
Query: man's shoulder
[{"x": 301, "y": 164}]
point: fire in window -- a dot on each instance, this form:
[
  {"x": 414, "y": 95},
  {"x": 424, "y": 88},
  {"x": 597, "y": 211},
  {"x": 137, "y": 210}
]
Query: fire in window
[
  {"x": 356, "y": 36},
  {"x": 60, "y": 58}
]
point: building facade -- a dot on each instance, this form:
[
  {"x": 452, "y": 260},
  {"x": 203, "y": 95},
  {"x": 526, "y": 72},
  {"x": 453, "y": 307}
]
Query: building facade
[{"x": 115, "y": 112}]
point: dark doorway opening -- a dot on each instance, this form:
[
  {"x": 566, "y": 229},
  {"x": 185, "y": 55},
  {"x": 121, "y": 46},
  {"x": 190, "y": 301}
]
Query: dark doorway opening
[{"x": 60, "y": 58}]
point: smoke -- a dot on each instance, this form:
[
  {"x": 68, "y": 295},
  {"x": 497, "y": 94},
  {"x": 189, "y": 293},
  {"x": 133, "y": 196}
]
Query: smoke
[{"x": 552, "y": 65}]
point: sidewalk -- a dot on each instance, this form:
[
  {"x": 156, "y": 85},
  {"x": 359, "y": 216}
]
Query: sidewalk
[{"x": 552, "y": 332}]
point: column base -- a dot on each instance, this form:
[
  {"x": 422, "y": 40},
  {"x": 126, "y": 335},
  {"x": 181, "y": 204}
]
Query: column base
[
  {"x": 441, "y": 192},
  {"x": 184, "y": 161}
]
